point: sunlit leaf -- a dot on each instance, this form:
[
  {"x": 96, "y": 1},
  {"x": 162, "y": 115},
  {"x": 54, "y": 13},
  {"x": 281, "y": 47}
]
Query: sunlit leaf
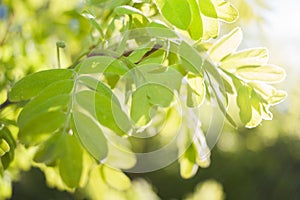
[
  {"x": 226, "y": 45},
  {"x": 146, "y": 97},
  {"x": 244, "y": 103},
  {"x": 208, "y": 8},
  {"x": 196, "y": 27},
  {"x": 188, "y": 166},
  {"x": 196, "y": 91},
  {"x": 115, "y": 178},
  {"x": 210, "y": 28},
  {"x": 226, "y": 11},
  {"x": 265, "y": 73},
  {"x": 177, "y": 12},
  {"x": 249, "y": 57}
]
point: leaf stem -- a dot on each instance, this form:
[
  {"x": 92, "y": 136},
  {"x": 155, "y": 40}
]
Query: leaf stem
[{"x": 59, "y": 44}]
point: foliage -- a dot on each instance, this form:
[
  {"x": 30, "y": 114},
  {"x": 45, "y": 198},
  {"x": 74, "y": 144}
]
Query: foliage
[{"x": 137, "y": 67}]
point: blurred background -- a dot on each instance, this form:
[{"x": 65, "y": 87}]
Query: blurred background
[{"x": 261, "y": 163}]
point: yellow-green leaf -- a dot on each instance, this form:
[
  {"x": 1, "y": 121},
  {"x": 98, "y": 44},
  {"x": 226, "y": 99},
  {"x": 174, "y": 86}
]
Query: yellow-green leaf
[{"x": 177, "y": 12}]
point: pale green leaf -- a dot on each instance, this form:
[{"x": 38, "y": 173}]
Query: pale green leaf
[
  {"x": 277, "y": 97},
  {"x": 177, "y": 12},
  {"x": 249, "y": 57},
  {"x": 115, "y": 178},
  {"x": 210, "y": 28},
  {"x": 120, "y": 156},
  {"x": 226, "y": 11},
  {"x": 265, "y": 73},
  {"x": 226, "y": 45},
  {"x": 31, "y": 85}
]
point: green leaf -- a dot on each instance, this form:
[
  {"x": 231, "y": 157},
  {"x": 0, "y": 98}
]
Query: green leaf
[
  {"x": 140, "y": 52},
  {"x": 166, "y": 76},
  {"x": 146, "y": 97},
  {"x": 244, "y": 103},
  {"x": 177, "y": 12},
  {"x": 160, "y": 30},
  {"x": 4, "y": 147},
  {"x": 70, "y": 164},
  {"x": 53, "y": 98},
  {"x": 51, "y": 150},
  {"x": 207, "y": 8},
  {"x": 127, "y": 10},
  {"x": 8, "y": 145},
  {"x": 249, "y": 57},
  {"x": 157, "y": 56},
  {"x": 31, "y": 85},
  {"x": 226, "y": 11},
  {"x": 265, "y": 73},
  {"x": 108, "y": 4},
  {"x": 95, "y": 64},
  {"x": 196, "y": 27},
  {"x": 226, "y": 45},
  {"x": 39, "y": 127},
  {"x": 191, "y": 59},
  {"x": 218, "y": 88},
  {"x": 106, "y": 109},
  {"x": 92, "y": 138},
  {"x": 196, "y": 91},
  {"x": 115, "y": 178}
]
